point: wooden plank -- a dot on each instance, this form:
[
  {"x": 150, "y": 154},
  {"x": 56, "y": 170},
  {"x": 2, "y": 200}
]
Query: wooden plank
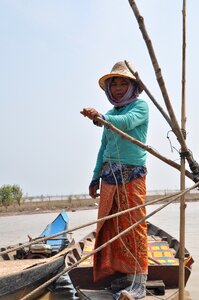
[{"x": 156, "y": 287}]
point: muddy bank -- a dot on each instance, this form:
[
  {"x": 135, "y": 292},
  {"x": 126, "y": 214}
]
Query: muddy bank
[{"x": 12, "y": 211}]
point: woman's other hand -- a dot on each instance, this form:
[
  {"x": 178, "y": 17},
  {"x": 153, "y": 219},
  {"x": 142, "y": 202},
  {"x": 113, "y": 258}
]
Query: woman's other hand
[
  {"x": 93, "y": 192},
  {"x": 93, "y": 188}
]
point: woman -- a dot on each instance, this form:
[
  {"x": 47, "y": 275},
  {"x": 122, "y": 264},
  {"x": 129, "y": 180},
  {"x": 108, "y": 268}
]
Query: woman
[{"x": 121, "y": 169}]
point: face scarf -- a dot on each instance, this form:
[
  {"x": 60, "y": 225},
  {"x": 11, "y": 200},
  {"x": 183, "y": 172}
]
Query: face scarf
[{"x": 130, "y": 96}]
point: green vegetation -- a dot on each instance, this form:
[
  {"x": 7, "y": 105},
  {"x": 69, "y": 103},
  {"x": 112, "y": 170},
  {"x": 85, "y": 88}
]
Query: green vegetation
[{"x": 10, "y": 194}]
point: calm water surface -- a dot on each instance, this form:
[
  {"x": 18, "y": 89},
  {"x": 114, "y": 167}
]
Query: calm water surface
[{"x": 16, "y": 228}]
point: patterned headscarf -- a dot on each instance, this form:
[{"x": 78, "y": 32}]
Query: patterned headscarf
[{"x": 130, "y": 96}]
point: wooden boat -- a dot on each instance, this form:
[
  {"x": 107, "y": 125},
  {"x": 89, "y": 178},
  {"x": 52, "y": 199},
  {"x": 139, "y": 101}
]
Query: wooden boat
[
  {"x": 163, "y": 256},
  {"x": 25, "y": 269}
]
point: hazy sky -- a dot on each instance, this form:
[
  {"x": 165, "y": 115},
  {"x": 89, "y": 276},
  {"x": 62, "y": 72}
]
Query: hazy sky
[{"x": 52, "y": 53}]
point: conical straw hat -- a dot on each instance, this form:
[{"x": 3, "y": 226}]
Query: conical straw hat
[{"x": 119, "y": 70}]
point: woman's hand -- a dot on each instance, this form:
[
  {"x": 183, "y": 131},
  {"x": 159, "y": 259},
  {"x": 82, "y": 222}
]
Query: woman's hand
[
  {"x": 90, "y": 113},
  {"x": 93, "y": 187},
  {"x": 93, "y": 192}
]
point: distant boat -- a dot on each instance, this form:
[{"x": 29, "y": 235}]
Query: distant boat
[
  {"x": 25, "y": 269},
  {"x": 163, "y": 258}
]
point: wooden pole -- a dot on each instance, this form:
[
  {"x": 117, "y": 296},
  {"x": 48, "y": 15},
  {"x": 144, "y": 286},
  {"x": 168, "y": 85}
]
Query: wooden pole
[
  {"x": 182, "y": 178},
  {"x": 158, "y": 72},
  {"x": 194, "y": 166}
]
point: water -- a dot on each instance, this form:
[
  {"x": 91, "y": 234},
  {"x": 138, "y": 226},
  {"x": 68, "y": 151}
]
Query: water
[{"x": 15, "y": 229}]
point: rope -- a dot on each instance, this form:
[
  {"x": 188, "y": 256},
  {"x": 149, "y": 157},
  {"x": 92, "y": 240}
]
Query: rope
[
  {"x": 171, "y": 146},
  {"x": 127, "y": 200},
  {"x": 185, "y": 154}
]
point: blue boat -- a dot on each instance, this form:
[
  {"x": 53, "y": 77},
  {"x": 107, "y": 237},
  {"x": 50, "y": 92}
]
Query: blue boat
[
  {"x": 58, "y": 225},
  {"x": 53, "y": 245}
]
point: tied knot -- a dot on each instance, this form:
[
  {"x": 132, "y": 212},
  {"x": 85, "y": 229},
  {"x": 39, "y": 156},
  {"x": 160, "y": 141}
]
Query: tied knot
[{"x": 185, "y": 154}]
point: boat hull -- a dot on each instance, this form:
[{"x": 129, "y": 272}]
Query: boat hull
[
  {"x": 82, "y": 277},
  {"x": 17, "y": 284},
  {"x": 163, "y": 251}
]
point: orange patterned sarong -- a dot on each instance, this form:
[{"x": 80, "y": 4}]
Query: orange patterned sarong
[{"x": 128, "y": 254}]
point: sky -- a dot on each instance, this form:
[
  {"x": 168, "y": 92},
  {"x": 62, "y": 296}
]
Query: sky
[{"x": 52, "y": 53}]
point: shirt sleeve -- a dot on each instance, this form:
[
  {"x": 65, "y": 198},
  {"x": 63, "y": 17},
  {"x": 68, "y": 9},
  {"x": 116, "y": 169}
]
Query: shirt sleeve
[
  {"x": 99, "y": 162},
  {"x": 136, "y": 116}
]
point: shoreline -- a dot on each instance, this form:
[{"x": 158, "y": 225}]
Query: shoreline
[
  {"x": 45, "y": 211},
  {"x": 40, "y": 208}
]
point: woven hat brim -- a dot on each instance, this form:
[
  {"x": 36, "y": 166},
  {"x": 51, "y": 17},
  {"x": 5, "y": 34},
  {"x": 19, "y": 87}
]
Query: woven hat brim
[{"x": 105, "y": 77}]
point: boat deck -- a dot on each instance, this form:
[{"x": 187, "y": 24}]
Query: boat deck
[{"x": 171, "y": 294}]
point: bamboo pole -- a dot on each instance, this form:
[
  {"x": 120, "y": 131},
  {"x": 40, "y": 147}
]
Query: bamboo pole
[
  {"x": 182, "y": 178},
  {"x": 194, "y": 166},
  {"x": 67, "y": 269},
  {"x": 157, "y": 70}
]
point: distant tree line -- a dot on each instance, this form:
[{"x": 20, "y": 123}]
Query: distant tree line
[{"x": 10, "y": 194}]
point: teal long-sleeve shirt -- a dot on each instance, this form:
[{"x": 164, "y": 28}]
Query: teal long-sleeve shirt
[{"x": 133, "y": 120}]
